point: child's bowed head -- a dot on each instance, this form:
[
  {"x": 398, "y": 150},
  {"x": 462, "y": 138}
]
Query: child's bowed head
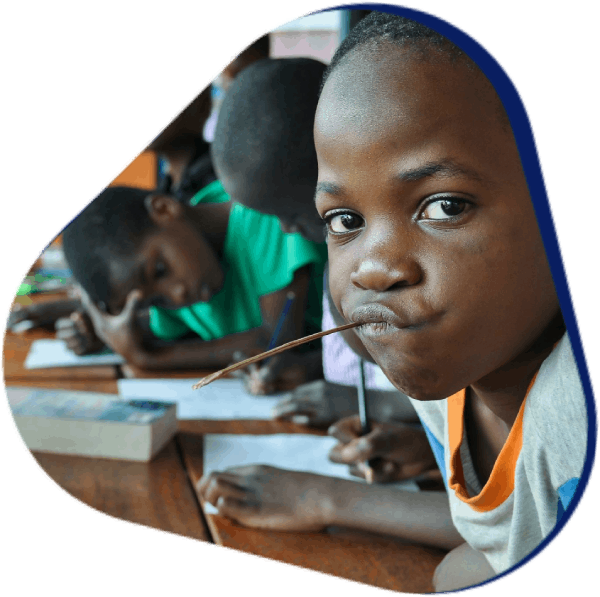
[{"x": 263, "y": 149}]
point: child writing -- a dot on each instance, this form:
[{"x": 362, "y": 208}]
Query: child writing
[
  {"x": 187, "y": 168},
  {"x": 216, "y": 271},
  {"x": 435, "y": 249},
  {"x": 264, "y": 153}
]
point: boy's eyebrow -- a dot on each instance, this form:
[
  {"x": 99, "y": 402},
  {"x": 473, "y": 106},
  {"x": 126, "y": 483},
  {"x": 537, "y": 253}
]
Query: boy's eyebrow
[{"x": 442, "y": 168}]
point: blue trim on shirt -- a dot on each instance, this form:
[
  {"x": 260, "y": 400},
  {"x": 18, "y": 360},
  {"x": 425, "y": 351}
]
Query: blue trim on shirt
[
  {"x": 438, "y": 452},
  {"x": 566, "y": 491}
]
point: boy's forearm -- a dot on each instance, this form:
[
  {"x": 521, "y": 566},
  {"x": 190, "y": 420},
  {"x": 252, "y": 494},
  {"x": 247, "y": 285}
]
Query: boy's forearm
[
  {"x": 197, "y": 354},
  {"x": 420, "y": 517}
]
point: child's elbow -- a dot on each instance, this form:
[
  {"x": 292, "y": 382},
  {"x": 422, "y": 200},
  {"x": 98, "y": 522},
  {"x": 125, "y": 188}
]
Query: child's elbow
[{"x": 461, "y": 568}]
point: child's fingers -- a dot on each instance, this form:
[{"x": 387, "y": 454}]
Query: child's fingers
[
  {"x": 346, "y": 429},
  {"x": 66, "y": 333},
  {"x": 81, "y": 322},
  {"x": 287, "y": 409},
  {"x": 219, "y": 487},
  {"x": 385, "y": 471},
  {"x": 357, "y": 470},
  {"x": 240, "y": 511},
  {"x": 133, "y": 299},
  {"x": 64, "y": 323}
]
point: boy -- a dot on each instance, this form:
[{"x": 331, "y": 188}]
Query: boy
[
  {"x": 215, "y": 270},
  {"x": 434, "y": 247},
  {"x": 269, "y": 112},
  {"x": 263, "y": 150}
]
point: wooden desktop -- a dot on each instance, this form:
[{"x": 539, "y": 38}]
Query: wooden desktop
[{"x": 161, "y": 494}]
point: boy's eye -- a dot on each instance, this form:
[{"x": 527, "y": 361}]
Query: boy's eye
[
  {"x": 444, "y": 209},
  {"x": 160, "y": 269},
  {"x": 339, "y": 223}
]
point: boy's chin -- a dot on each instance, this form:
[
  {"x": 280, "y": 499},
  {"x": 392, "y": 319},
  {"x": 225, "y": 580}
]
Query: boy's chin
[{"x": 422, "y": 385}]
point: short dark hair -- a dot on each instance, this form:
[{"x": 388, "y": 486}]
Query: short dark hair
[
  {"x": 264, "y": 134},
  {"x": 421, "y": 41},
  {"x": 110, "y": 228}
]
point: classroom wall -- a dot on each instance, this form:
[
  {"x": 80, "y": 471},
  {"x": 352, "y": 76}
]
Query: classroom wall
[
  {"x": 139, "y": 172},
  {"x": 320, "y": 45}
]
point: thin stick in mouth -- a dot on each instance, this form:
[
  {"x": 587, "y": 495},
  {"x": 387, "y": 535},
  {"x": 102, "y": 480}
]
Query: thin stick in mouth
[{"x": 264, "y": 355}]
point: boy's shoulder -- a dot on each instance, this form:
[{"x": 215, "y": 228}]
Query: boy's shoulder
[{"x": 555, "y": 417}]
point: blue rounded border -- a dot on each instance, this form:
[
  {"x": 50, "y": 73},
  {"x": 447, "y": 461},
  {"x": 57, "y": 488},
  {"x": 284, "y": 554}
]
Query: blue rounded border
[{"x": 533, "y": 174}]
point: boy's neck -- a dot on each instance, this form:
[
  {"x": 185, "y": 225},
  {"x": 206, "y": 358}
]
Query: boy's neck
[
  {"x": 502, "y": 392},
  {"x": 212, "y": 220}
]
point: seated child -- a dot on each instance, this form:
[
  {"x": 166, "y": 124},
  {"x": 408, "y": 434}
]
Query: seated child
[
  {"x": 217, "y": 271},
  {"x": 269, "y": 111},
  {"x": 434, "y": 247}
]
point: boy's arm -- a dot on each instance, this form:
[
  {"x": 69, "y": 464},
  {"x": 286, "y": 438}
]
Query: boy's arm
[
  {"x": 221, "y": 352},
  {"x": 463, "y": 567},
  {"x": 270, "y": 498},
  {"x": 43, "y": 314}
]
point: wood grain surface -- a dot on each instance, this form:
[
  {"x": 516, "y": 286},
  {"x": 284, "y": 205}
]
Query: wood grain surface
[{"x": 363, "y": 557}]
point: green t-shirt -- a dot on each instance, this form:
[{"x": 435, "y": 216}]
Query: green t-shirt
[
  {"x": 211, "y": 193},
  {"x": 258, "y": 259}
]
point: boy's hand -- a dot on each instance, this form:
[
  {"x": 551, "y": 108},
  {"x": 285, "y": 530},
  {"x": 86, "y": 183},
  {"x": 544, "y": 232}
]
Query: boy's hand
[
  {"x": 39, "y": 314},
  {"x": 286, "y": 369},
  {"x": 317, "y": 404},
  {"x": 269, "y": 498},
  {"x": 402, "y": 451},
  {"x": 120, "y": 332},
  {"x": 78, "y": 333}
]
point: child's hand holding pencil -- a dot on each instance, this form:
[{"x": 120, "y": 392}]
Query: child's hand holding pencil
[{"x": 389, "y": 452}]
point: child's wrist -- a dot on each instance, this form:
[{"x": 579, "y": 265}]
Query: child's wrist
[{"x": 141, "y": 358}]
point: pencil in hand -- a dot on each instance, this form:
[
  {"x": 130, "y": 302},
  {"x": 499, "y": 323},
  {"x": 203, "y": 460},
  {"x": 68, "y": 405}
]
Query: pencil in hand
[{"x": 364, "y": 419}]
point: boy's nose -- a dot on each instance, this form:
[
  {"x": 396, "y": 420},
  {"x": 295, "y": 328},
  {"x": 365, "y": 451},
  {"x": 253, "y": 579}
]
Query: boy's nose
[
  {"x": 380, "y": 275},
  {"x": 178, "y": 294}
]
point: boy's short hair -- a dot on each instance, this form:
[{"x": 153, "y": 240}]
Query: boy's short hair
[
  {"x": 421, "y": 41},
  {"x": 109, "y": 229},
  {"x": 264, "y": 137}
]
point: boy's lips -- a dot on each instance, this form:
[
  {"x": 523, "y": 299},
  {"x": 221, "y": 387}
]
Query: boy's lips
[{"x": 377, "y": 319}]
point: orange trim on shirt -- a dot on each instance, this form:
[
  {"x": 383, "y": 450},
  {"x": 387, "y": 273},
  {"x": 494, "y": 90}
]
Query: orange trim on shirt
[{"x": 502, "y": 478}]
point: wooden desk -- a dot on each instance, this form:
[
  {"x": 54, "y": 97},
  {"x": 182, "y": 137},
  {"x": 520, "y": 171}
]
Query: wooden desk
[
  {"x": 364, "y": 557},
  {"x": 161, "y": 494},
  {"x": 16, "y": 349}
]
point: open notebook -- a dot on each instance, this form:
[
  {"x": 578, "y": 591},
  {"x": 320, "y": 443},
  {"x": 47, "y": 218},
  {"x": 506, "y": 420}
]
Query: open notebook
[
  {"x": 222, "y": 400},
  {"x": 296, "y": 452},
  {"x": 54, "y": 353}
]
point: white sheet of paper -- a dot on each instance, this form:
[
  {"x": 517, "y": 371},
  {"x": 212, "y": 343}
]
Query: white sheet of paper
[
  {"x": 222, "y": 400},
  {"x": 296, "y": 452},
  {"x": 54, "y": 353}
]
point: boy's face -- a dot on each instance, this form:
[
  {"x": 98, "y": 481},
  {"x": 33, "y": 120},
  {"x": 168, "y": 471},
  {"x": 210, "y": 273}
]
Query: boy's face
[
  {"x": 432, "y": 233},
  {"x": 174, "y": 267}
]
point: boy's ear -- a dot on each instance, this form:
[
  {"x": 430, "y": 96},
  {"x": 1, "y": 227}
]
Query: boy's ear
[{"x": 162, "y": 208}]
